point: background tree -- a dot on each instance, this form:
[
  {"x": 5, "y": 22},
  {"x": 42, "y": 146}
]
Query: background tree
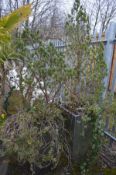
[
  {"x": 39, "y": 7},
  {"x": 86, "y": 58},
  {"x": 101, "y": 13}
]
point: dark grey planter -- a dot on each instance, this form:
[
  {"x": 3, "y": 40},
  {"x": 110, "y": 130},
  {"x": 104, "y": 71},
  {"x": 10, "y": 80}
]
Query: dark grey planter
[
  {"x": 81, "y": 136},
  {"x": 4, "y": 166}
]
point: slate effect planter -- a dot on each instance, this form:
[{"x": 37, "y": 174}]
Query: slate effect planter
[
  {"x": 3, "y": 166},
  {"x": 80, "y": 143}
]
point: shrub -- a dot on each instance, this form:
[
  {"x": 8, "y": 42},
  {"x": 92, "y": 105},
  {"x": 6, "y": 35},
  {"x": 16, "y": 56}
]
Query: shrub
[{"x": 36, "y": 136}]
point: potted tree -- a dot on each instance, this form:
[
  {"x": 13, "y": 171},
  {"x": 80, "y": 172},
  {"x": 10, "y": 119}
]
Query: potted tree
[
  {"x": 83, "y": 106},
  {"x": 35, "y": 132}
]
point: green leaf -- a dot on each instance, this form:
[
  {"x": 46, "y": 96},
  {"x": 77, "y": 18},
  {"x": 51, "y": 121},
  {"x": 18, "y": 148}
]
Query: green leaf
[{"x": 11, "y": 21}]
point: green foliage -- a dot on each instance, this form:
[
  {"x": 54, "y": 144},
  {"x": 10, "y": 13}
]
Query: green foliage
[
  {"x": 36, "y": 136},
  {"x": 36, "y": 133},
  {"x": 109, "y": 114},
  {"x": 7, "y": 48},
  {"x": 45, "y": 64},
  {"x": 7, "y": 25},
  {"x": 15, "y": 103},
  {"x": 7, "y": 53},
  {"x": 86, "y": 58},
  {"x": 10, "y": 22},
  {"x": 86, "y": 87},
  {"x": 2, "y": 118},
  {"x": 93, "y": 118}
]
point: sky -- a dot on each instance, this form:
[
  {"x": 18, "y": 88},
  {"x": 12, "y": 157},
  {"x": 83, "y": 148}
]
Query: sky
[
  {"x": 65, "y": 3},
  {"x": 68, "y": 4}
]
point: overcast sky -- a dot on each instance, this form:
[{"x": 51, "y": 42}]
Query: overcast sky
[{"x": 68, "y": 4}]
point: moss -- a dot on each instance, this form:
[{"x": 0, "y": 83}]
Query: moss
[
  {"x": 95, "y": 170},
  {"x": 16, "y": 102},
  {"x": 110, "y": 171},
  {"x": 105, "y": 171}
]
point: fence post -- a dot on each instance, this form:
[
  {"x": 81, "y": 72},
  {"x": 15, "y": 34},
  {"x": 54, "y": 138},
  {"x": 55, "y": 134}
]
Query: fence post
[{"x": 108, "y": 52}]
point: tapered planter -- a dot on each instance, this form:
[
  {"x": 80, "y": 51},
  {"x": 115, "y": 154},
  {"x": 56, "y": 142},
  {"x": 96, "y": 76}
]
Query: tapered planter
[
  {"x": 80, "y": 135},
  {"x": 4, "y": 166}
]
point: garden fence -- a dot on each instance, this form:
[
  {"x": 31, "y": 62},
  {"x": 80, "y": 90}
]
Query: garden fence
[{"x": 109, "y": 40}]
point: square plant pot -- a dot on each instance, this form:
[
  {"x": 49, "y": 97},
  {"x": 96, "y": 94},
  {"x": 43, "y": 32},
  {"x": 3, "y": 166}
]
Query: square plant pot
[
  {"x": 4, "y": 162},
  {"x": 80, "y": 135}
]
